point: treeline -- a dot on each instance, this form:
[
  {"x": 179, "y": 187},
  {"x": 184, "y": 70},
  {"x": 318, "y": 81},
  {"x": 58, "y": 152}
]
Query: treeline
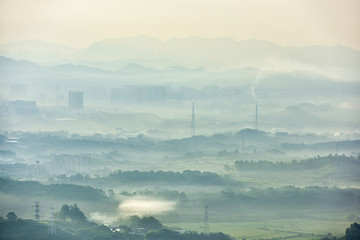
[
  {"x": 186, "y": 177},
  {"x": 30, "y": 230},
  {"x": 56, "y": 191},
  {"x": 165, "y": 194},
  {"x": 349, "y": 145},
  {"x": 338, "y": 161},
  {"x": 169, "y": 177},
  {"x": 291, "y": 196},
  {"x": 166, "y": 234},
  {"x": 351, "y": 233},
  {"x": 71, "y": 224}
]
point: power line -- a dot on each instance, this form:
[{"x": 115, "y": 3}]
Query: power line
[
  {"x": 193, "y": 121},
  {"x": 37, "y": 212},
  {"x": 256, "y": 116},
  {"x": 52, "y": 229},
  {"x": 206, "y": 220}
]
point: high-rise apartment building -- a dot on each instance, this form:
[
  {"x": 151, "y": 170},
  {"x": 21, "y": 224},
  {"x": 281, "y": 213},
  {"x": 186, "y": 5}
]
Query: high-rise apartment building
[{"x": 76, "y": 100}]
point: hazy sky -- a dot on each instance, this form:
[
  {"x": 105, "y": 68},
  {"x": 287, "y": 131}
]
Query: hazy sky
[{"x": 81, "y": 22}]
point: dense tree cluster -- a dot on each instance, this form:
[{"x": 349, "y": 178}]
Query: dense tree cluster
[
  {"x": 72, "y": 224},
  {"x": 351, "y": 233},
  {"x": 164, "y": 194},
  {"x": 311, "y": 163},
  {"x": 290, "y": 196},
  {"x": 79, "y": 228},
  {"x": 170, "y": 177},
  {"x": 149, "y": 223},
  {"x": 57, "y": 191},
  {"x": 194, "y": 177},
  {"x": 11, "y": 216},
  {"x": 166, "y": 234},
  {"x": 29, "y": 230},
  {"x": 72, "y": 213}
]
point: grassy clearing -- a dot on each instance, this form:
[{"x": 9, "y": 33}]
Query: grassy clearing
[{"x": 289, "y": 228}]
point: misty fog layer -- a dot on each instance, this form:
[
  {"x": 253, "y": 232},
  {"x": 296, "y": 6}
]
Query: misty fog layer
[{"x": 232, "y": 139}]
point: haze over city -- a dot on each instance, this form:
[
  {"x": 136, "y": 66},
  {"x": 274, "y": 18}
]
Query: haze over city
[{"x": 220, "y": 120}]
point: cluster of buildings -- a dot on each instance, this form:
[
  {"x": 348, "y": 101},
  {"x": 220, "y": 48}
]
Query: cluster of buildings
[
  {"x": 133, "y": 94},
  {"x": 139, "y": 94},
  {"x": 68, "y": 164},
  {"x": 126, "y": 94},
  {"x": 18, "y": 110},
  {"x": 62, "y": 164}
]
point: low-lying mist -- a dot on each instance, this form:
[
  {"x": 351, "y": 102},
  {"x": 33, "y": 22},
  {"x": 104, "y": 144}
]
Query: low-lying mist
[{"x": 143, "y": 207}]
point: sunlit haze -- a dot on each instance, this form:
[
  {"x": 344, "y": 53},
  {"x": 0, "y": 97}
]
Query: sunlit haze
[
  {"x": 284, "y": 22},
  {"x": 179, "y": 119}
]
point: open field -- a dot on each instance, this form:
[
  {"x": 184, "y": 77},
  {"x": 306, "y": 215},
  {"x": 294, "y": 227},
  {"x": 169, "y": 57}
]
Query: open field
[{"x": 306, "y": 226}]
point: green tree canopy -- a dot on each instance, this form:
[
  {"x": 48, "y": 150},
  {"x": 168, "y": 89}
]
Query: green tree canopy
[
  {"x": 71, "y": 212},
  {"x": 11, "y": 216},
  {"x": 150, "y": 223},
  {"x": 353, "y": 232}
]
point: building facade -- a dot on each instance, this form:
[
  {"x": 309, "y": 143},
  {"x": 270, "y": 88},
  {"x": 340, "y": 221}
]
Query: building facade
[
  {"x": 68, "y": 164},
  {"x": 76, "y": 100}
]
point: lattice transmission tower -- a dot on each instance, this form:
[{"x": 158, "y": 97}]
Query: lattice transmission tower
[
  {"x": 206, "y": 220},
  {"x": 37, "y": 212},
  {"x": 193, "y": 121},
  {"x": 52, "y": 229}
]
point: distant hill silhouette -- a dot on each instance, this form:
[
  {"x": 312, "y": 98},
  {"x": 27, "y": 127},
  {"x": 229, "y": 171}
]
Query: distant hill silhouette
[{"x": 193, "y": 52}]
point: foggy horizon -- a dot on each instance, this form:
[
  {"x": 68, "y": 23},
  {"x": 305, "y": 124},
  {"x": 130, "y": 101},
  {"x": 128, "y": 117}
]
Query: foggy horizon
[
  {"x": 296, "y": 23},
  {"x": 180, "y": 38},
  {"x": 180, "y": 120}
]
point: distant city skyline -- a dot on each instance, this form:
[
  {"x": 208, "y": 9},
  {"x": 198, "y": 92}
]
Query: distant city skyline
[{"x": 80, "y": 23}]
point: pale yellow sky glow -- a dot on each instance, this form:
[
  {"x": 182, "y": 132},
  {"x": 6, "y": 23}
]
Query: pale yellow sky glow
[{"x": 81, "y": 22}]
